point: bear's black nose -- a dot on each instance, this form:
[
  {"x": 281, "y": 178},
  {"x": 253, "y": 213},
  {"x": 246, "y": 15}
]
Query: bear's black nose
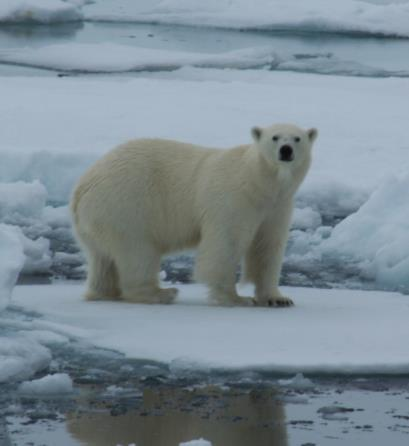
[{"x": 286, "y": 153}]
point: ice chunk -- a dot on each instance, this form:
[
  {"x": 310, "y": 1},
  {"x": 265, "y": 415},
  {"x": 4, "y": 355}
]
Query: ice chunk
[
  {"x": 57, "y": 216},
  {"x": 199, "y": 442},
  {"x": 330, "y": 198},
  {"x": 377, "y": 235},
  {"x": 23, "y": 204},
  {"x": 11, "y": 262},
  {"x": 44, "y": 337},
  {"x": 20, "y": 201},
  {"x": 37, "y": 253},
  {"x": 20, "y": 358},
  {"x": 298, "y": 382},
  {"x": 306, "y": 218},
  {"x": 59, "y": 383}
]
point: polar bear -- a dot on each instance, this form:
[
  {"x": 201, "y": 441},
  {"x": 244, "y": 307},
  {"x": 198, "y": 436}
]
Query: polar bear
[{"x": 149, "y": 197}]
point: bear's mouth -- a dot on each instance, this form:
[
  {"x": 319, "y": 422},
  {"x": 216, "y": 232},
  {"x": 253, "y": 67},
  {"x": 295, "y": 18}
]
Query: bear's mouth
[{"x": 286, "y": 153}]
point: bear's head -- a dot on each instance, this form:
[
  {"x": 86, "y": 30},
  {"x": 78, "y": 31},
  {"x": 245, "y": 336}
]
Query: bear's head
[{"x": 285, "y": 144}]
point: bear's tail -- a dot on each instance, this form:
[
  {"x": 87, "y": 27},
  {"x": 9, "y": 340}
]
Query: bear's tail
[{"x": 74, "y": 202}]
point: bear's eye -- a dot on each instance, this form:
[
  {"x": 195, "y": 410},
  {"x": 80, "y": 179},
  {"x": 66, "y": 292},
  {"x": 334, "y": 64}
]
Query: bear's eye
[
  {"x": 297, "y": 139},
  {"x": 275, "y": 138}
]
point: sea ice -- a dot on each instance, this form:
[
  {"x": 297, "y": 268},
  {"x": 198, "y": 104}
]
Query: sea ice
[
  {"x": 328, "y": 331},
  {"x": 115, "y": 58},
  {"x": 385, "y": 17}
]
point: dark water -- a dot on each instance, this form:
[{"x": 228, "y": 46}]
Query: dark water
[
  {"x": 121, "y": 401},
  {"x": 161, "y": 412}
]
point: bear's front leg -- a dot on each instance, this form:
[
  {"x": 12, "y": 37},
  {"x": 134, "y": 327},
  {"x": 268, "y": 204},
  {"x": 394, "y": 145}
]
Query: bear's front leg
[{"x": 264, "y": 260}]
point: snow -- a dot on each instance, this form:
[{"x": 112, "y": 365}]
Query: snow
[
  {"x": 199, "y": 442},
  {"x": 328, "y": 331},
  {"x": 40, "y": 11},
  {"x": 57, "y": 384},
  {"x": 384, "y": 17},
  {"x": 49, "y": 149}
]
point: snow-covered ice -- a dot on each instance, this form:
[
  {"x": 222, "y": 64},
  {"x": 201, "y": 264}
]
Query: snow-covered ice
[
  {"x": 51, "y": 151},
  {"x": 328, "y": 331},
  {"x": 115, "y": 58},
  {"x": 106, "y": 57},
  {"x": 383, "y": 17},
  {"x": 57, "y": 384}
]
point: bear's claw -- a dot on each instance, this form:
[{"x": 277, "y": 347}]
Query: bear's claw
[{"x": 280, "y": 302}]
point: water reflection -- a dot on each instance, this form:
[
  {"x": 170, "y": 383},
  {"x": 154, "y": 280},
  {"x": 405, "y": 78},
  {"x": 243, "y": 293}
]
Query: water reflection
[{"x": 170, "y": 416}]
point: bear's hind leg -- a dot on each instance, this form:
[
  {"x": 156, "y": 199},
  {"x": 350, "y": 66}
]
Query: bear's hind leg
[
  {"x": 102, "y": 278},
  {"x": 138, "y": 274}
]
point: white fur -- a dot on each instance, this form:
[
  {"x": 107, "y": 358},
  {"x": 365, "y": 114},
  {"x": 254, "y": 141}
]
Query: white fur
[{"x": 149, "y": 197}]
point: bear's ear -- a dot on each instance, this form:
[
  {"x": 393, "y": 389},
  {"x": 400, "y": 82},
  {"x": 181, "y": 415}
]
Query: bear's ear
[
  {"x": 256, "y": 133},
  {"x": 312, "y": 134}
]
